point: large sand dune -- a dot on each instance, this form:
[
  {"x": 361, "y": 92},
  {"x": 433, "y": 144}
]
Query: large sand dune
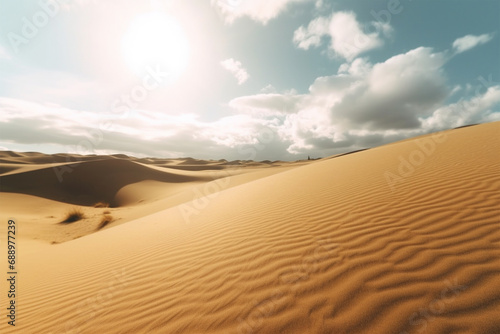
[{"x": 403, "y": 238}]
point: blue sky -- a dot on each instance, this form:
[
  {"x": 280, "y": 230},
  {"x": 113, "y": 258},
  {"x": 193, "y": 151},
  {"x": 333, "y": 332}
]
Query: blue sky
[{"x": 242, "y": 79}]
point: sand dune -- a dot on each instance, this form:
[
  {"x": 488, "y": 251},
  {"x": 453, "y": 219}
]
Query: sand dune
[
  {"x": 128, "y": 190},
  {"x": 85, "y": 185},
  {"x": 403, "y": 238}
]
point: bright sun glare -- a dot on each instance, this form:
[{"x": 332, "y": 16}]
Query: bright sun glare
[{"x": 158, "y": 41}]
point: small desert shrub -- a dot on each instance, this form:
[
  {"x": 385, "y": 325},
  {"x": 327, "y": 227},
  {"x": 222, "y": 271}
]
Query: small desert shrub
[
  {"x": 73, "y": 215},
  {"x": 101, "y": 205},
  {"x": 106, "y": 219}
]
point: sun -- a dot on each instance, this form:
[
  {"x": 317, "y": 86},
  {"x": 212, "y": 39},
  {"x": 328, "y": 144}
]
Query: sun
[{"x": 155, "y": 40}]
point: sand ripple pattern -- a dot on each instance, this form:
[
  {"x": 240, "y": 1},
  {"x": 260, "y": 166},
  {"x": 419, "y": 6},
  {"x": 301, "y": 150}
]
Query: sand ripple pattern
[{"x": 324, "y": 248}]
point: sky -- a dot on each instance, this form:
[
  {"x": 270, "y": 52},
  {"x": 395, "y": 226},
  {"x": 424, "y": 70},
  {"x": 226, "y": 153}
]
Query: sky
[{"x": 242, "y": 79}]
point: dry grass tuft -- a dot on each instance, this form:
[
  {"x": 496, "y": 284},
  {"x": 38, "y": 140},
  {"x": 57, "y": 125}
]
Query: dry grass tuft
[
  {"x": 106, "y": 219},
  {"x": 73, "y": 215}
]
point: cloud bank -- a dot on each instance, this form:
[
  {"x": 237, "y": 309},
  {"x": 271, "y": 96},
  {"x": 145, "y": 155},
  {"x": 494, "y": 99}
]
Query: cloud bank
[{"x": 363, "y": 105}]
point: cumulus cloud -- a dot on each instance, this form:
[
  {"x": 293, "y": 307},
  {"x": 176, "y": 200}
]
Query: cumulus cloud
[
  {"x": 366, "y": 105},
  {"x": 470, "y": 41},
  {"x": 237, "y": 69},
  {"x": 394, "y": 93},
  {"x": 258, "y": 10},
  {"x": 348, "y": 38},
  {"x": 268, "y": 89},
  {"x": 478, "y": 109}
]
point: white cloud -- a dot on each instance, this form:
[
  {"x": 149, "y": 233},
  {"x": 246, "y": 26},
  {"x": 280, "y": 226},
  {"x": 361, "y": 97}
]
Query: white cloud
[
  {"x": 258, "y": 10},
  {"x": 366, "y": 105},
  {"x": 311, "y": 36},
  {"x": 137, "y": 132},
  {"x": 363, "y": 105},
  {"x": 477, "y": 109},
  {"x": 269, "y": 89},
  {"x": 320, "y": 4},
  {"x": 347, "y": 37},
  {"x": 470, "y": 41},
  {"x": 236, "y": 68}
]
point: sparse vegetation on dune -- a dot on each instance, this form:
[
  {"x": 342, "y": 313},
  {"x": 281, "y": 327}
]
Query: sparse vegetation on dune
[
  {"x": 73, "y": 215},
  {"x": 106, "y": 219},
  {"x": 101, "y": 205}
]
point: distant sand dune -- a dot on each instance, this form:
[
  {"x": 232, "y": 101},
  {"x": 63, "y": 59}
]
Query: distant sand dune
[
  {"x": 403, "y": 238},
  {"x": 133, "y": 191},
  {"x": 87, "y": 182}
]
